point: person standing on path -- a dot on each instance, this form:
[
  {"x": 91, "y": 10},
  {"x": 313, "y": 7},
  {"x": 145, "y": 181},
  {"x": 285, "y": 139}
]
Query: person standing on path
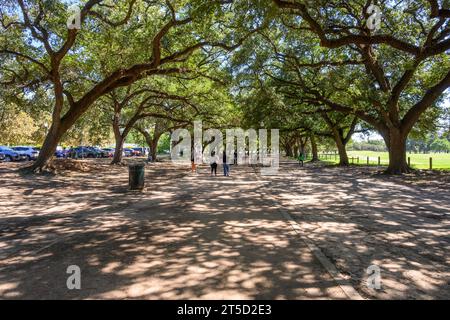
[
  {"x": 193, "y": 165},
  {"x": 301, "y": 158},
  {"x": 214, "y": 164},
  {"x": 226, "y": 166}
]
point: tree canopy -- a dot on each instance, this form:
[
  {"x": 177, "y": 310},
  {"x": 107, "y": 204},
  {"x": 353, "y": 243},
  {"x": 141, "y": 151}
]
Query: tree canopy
[{"x": 317, "y": 70}]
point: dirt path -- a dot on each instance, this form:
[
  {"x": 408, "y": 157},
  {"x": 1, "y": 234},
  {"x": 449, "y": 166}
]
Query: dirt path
[
  {"x": 358, "y": 219},
  {"x": 204, "y": 237},
  {"x": 185, "y": 237}
]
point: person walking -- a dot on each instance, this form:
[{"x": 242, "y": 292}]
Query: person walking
[
  {"x": 235, "y": 160},
  {"x": 226, "y": 166},
  {"x": 214, "y": 164},
  {"x": 301, "y": 158},
  {"x": 193, "y": 165}
]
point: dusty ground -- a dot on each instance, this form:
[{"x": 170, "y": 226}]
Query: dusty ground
[
  {"x": 196, "y": 236},
  {"x": 360, "y": 218}
]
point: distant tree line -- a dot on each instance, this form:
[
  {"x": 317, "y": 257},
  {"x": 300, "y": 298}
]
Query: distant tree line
[
  {"x": 432, "y": 143},
  {"x": 371, "y": 145}
]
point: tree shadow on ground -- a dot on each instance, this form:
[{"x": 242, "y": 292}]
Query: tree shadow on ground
[
  {"x": 360, "y": 219},
  {"x": 184, "y": 237}
]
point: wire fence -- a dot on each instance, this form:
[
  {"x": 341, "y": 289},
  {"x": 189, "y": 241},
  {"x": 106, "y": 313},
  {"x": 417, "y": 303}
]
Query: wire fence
[{"x": 377, "y": 160}]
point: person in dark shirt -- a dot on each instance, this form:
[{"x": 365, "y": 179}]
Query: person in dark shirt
[
  {"x": 193, "y": 164},
  {"x": 226, "y": 166},
  {"x": 213, "y": 164}
]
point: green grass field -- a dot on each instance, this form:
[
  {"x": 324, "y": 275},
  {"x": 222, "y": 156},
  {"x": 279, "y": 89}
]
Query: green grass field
[{"x": 418, "y": 161}]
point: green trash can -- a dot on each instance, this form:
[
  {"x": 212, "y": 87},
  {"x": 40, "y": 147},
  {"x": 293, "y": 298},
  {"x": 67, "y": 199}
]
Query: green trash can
[{"x": 136, "y": 176}]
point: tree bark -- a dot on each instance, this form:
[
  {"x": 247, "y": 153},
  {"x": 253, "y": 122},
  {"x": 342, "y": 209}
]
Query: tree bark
[
  {"x": 119, "y": 138},
  {"x": 152, "y": 142},
  {"x": 397, "y": 152},
  {"x": 48, "y": 148},
  {"x": 148, "y": 140},
  {"x": 287, "y": 146},
  {"x": 160, "y": 127},
  {"x": 154, "y": 147},
  {"x": 118, "y": 152},
  {"x": 296, "y": 151},
  {"x": 288, "y": 150},
  {"x": 303, "y": 144},
  {"x": 339, "y": 139},
  {"x": 314, "y": 151},
  {"x": 57, "y": 129},
  {"x": 343, "y": 157}
]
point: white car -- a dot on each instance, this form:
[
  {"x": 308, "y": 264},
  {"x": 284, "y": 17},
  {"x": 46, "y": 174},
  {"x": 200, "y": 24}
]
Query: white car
[{"x": 30, "y": 152}]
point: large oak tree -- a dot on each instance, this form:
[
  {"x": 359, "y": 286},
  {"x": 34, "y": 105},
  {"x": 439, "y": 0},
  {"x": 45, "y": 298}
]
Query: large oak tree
[
  {"x": 149, "y": 38},
  {"x": 406, "y": 66}
]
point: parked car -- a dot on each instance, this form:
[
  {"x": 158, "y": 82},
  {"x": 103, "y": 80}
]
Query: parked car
[
  {"x": 30, "y": 152},
  {"x": 11, "y": 155},
  {"x": 83, "y": 152},
  {"x": 60, "y": 154},
  {"x": 128, "y": 152},
  {"x": 139, "y": 152},
  {"x": 100, "y": 153},
  {"x": 109, "y": 151},
  {"x": 2, "y": 157}
]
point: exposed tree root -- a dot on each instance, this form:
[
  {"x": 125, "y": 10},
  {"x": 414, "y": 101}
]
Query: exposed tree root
[
  {"x": 48, "y": 168},
  {"x": 57, "y": 165},
  {"x": 399, "y": 171}
]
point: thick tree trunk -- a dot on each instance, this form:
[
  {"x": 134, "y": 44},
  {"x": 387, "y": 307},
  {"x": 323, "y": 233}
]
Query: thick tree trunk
[
  {"x": 288, "y": 150},
  {"x": 48, "y": 148},
  {"x": 57, "y": 129},
  {"x": 314, "y": 151},
  {"x": 303, "y": 145},
  {"x": 119, "y": 138},
  {"x": 152, "y": 142},
  {"x": 56, "y": 132},
  {"x": 397, "y": 152},
  {"x": 118, "y": 152},
  {"x": 343, "y": 157},
  {"x": 296, "y": 151},
  {"x": 385, "y": 136},
  {"x": 149, "y": 141},
  {"x": 154, "y": 148}
]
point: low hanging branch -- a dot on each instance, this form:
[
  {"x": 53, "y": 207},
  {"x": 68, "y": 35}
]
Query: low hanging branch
[
  {"x": 49, "y": 62},
  {"x": 385, "y": 105}
]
